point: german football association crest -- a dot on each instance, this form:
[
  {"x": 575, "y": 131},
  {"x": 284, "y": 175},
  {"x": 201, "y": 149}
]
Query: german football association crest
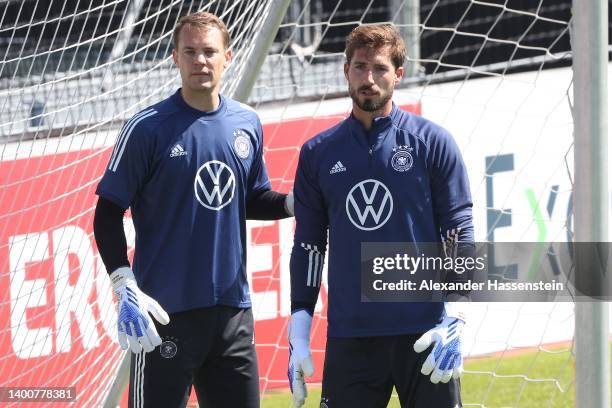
[
  {"x": 402, "y": 159},
  {"x": 242, "y": 145},
  {"x": 168, "y": 348}
]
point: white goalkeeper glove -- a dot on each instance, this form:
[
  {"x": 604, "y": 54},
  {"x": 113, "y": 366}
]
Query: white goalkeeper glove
[
  {"x": 300, "y": 359},
  {"x": 289, "y": 203},
  {"x": 445, "y": 360},
  {"x": 135, "y": 326}
]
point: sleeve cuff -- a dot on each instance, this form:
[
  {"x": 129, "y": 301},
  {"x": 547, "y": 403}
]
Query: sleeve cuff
[{"x": 458, "y": 310}]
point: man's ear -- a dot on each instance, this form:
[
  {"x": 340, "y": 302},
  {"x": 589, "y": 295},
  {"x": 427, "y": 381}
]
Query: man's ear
[
  {"x": 228, "y": 57},
  {"x": 399, "y": 74}
]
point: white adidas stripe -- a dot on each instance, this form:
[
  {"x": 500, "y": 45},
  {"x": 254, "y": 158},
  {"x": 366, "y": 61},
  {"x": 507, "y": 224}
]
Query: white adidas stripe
[
  {"x": 136, "y": 379},
  {"x": 316, "y": 268},
  {"x": 139, "y": 366},
  {"x": 309, "y": 276},
  {"x": 320, "y": 274},
  {"x": 126, "y": 125},
  {"x": 142, "y": 375},
  {"x": 125, "y": 136},
  {"x": 315, "y": 265},
  {"x": 310, "y": 256}
]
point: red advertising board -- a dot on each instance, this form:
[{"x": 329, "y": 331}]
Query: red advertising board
[{"x": 55, "y": 299}]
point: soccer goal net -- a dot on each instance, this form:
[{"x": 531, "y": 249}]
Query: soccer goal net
[{"x": 496, "y": 74}]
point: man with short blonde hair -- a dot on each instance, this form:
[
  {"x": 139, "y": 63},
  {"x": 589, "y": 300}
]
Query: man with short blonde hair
[
  {"x": 202, "y": 20},
  {"x": 191, "y": 170}
]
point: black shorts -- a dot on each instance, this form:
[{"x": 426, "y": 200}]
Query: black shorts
[
  {"x": 211, "y": 349},
  {"x": 361, "y": 372}
]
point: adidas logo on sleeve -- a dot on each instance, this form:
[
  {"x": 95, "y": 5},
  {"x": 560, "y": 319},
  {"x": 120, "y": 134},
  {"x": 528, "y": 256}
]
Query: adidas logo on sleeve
[
  {"x": 177, "y": 150},
  {"x": 338, "y": 168}
]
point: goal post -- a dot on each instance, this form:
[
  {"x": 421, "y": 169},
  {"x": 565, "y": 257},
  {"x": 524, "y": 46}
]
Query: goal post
[
  {"x": 591, "y": 194},
  {"x": 247, "y": 78}
]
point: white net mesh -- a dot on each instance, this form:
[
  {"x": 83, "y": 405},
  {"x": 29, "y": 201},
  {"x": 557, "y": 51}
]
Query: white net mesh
[
  {"x": 494, "y": 73},
  {"x": 71, "y": 65},
  {"x": 498, "y": 76},
  {"x": 70, "y": 73}
]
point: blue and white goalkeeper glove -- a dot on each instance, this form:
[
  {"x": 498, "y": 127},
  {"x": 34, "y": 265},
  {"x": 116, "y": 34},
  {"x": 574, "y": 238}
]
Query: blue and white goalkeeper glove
[
  {"x": 445, "y": 360},
  {"x": 300, "y": 359},
  {"x": 135, "y": 326}
]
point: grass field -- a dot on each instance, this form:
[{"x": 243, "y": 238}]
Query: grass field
[{"x": 526, "y": 379}]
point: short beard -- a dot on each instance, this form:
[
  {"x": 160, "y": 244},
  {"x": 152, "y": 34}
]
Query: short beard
[{"x": 369, "y": 105}]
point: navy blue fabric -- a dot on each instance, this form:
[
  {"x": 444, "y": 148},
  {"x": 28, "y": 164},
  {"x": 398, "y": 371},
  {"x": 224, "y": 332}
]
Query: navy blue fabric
[
  {"x": 210, "y": 348},
  {"x": 422, "y": 190},
  {"x": 186, "y": 176},
  {"x": 362, "y": 372}
]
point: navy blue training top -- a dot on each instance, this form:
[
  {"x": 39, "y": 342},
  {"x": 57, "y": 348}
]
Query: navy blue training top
[
  {"x": 186, "y": 175},
  {"x": 401, "y": 181}
]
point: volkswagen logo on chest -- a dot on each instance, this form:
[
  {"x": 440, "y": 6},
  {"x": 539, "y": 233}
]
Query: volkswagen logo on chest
[
  {"x": 214, "y": 185},
  {"x": 369, "y": 205}
]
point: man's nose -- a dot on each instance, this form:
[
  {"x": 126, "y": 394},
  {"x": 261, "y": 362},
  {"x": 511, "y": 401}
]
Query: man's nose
[
  {"x": 200, "y": 58},
  {"x": 370, "y": 76}
]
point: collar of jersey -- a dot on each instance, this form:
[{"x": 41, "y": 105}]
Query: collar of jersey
[
  {"x": 379, "y": 122},
  {"x": 373, "y": 137},
  {"x": 178, "y": 99}
]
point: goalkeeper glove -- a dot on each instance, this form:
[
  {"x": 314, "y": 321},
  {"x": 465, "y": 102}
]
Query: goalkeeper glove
[
  {"x": 135, "y": 326},
  {"x": 300, "y": 360},
  {"x": 445, "y": 360},
  {"x": 289, "y": 203}
]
